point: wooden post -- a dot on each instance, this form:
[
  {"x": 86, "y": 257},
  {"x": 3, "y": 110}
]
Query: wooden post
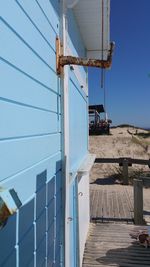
[
  {"x": 138, "y": 201},
  {"x": 125, "y": 172}
]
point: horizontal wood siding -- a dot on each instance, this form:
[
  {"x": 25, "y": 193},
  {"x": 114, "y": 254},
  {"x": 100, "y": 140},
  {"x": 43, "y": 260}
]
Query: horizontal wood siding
[{"x": 30, "y": 136}]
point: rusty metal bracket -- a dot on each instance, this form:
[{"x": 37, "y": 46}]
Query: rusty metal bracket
[
  {"x": 61, "y": 60},
  {"x": 59, "y": 52},
  {"x": 9, "y": 204}
]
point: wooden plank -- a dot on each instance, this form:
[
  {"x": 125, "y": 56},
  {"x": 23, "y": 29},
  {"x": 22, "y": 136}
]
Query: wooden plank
[
  {"x": 120, "y": 161},
  {"x": 94, "y": 204},
  {"x": 126, "y": 207},
  {"x": 111, "y": 245},
  {"x": 111, "y": 204},
  {"x": 138, "y": 201},
  {"x": 129, "y": 196},
  {"x": 125, "y": 172},
  {"x": 99, "y": 210},
  {"x": 33, "y": 65},
  {"x": 114, "y": 210},
  {"x": 91, "y": 200},
  {"x": 105, "y": 203},
  {"x": 24, "y": 153},
  {"x": 140, "y": 161},
  {"x": 25, "y": 121}
]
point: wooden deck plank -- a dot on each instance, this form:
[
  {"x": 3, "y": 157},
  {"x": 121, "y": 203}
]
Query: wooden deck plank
[
  {"x": 96, "y": 203},
  {"x": 109, "y": 202},
  {"x": 99, "y": 204},
  {"x": 91, "y": 200},
  {"x": 105, "y": 204},
  {"x": 111, "y": 245}
]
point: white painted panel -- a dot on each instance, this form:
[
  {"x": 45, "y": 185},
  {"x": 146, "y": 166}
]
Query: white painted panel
[
  {"x": 77, "y": 72},
  {"x": 84, "y": 214},
  {"x": 89, "y": 17},
  {"x": 97, "y": 54}
]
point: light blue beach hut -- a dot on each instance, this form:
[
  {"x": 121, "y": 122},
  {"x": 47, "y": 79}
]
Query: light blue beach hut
[{"x": 44, "y": 159}]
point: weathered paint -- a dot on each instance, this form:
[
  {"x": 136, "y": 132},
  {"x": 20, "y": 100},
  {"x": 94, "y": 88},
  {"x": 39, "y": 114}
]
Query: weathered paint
[
  {"x": 96, "y": 63},
  {"x": 62, "y": 60}
]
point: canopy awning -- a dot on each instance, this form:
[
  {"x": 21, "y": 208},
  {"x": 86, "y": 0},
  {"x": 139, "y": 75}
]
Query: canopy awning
[
  {"x": 98, "y": 108},
  {"x": 93, "y": 19}
]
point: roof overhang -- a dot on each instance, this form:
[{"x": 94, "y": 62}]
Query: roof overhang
[{"x": 93, "y": 19}]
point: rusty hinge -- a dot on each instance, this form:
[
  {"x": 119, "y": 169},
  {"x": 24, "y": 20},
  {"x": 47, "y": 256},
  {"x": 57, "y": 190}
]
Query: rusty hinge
[{"x": 61, "y": 60}]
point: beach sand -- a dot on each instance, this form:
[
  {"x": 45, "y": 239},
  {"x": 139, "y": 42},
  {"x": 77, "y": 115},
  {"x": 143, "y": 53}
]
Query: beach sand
[{"x": 120, "y": 143}]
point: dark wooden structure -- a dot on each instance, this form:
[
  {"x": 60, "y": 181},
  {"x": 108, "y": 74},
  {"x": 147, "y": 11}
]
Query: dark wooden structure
[{"x": 125, "y": 162}]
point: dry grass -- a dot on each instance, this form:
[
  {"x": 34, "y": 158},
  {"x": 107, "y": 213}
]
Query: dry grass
[{"x": 139, "y": 140}]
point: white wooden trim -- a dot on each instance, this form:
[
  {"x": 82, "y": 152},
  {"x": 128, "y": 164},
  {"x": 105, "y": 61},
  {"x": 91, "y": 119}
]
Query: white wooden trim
[
  {"x": 65, "y": 124},
  {"x": 86, "y": 165}
]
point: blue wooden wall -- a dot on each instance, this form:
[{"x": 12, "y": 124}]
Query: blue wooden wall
[{"x": 30, "y": 135}]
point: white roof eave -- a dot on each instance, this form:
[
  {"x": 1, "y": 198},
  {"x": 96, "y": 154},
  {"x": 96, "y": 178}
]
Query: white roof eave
[{"x": 94, "y": 25}]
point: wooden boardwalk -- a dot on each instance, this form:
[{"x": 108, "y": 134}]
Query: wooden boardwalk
[
  {"x": 111, "y": 245},
  {"x": 111, "y": 202}
]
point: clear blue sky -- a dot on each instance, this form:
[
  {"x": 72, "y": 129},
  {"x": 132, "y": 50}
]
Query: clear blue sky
[{"x": 128, "y": 81}]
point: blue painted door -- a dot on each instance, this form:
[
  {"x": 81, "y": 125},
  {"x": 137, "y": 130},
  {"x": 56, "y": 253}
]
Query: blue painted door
[{"x": 30, "y": 136}]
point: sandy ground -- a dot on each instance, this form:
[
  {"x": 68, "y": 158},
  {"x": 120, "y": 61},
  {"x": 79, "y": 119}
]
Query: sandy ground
[{"x": 119, "y": 144}]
